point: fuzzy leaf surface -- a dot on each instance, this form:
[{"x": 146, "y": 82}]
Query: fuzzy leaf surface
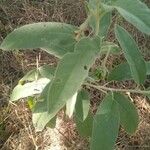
[
  {"x": 71, "y": 72},
  {"x": 135, "y": 12},
  {"x": 128, "y": 114},
  {"x": 106, "y": 125},
  {"x": 132, "y": 54},
  {"x": 55, "y": 38}
]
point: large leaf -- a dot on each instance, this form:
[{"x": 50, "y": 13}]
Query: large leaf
[
  {"x": 122, "y": 72},
  {"x": 82, "y": 105},
  {"x": 128, "y": 113},
  {"x": 132, "y": 54},
  {"x": 106, "y": 125},
  {"x": 71, "y": 72},
  {"x": 84, "y": 127},
  {"x": 135, "y": 12},
  {"x": 28, "y": 89},
  {"x": 55, "y": 38}
]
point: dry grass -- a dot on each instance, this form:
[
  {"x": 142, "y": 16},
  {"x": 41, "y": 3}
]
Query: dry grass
[{"x": 16, "y": 129}]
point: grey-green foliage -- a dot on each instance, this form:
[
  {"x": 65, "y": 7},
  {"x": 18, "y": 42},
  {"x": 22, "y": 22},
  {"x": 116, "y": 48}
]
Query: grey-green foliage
[
  {"x": 33, "y": 82},
  {"x": 49, "y": 90},
  {"x": 135, "y": 12},
  {"x": 128, "y": 113},
  {"x": 82, "y": 105},
  {"x": 55, "y": 38},
  {"x": 106, "y": 125},
  {"x": 132, "y": 54},
  {"x": 122, "y": 72},
  {"x": 71, "y": 72}
]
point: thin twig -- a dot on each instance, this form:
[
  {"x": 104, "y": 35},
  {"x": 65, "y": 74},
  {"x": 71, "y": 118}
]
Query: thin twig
[{"x": 117, "y": 90}]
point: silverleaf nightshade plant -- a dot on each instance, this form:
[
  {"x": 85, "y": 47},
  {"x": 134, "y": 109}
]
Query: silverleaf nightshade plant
[{"x": 77, "y": 49}]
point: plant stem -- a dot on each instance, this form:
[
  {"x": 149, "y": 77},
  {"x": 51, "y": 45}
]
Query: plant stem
[{"x": 116, "y": 90}]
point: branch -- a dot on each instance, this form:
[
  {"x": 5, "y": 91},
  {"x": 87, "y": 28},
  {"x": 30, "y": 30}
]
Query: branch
[{"x": 117, "y": 90}]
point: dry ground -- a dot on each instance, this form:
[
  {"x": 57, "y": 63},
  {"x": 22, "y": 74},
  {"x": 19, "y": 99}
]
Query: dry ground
[{"x": 16, "y": 129}]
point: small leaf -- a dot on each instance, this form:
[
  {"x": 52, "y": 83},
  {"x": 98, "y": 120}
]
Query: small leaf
[
  {"x": 52, "y": 123},
  {"x": 32, "y": 75},
  {"x": 104, "y": 25},
  {"x": 40, "y": 116},
  {"x": 82, "y": 105},
  {"x": 54, "y": 38},
  {"x": 70, "y": 105},
  {"x": 111, "y": 47},
  {"x": 84, "y": 127},
  {"x": 122, "y": 72},
  {"x": 28, "y": 89},
  {"x": 135, "y": 12},
  {"x": 128, "y": 114},
  {"x": 71, "y": 72},
  {"x": 45, "y": 71},
  {"x": 31, "y": 102},
  {"x": 132, "y": 54},
  {"x": 106, "y": 125},
  {"x": 40, "y": 78}
]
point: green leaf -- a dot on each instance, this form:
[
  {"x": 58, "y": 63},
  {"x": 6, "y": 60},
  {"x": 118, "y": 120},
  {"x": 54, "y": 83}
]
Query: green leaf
[
  {"x": 28, "y": 89},
  {"x": 52, "y": 123},
  {"x": 40, "y": 116},
  {"x": 104, "y": 24},
  {"x": 122, "y": 72},
  {"x": 132, "y": 54},
  {"x": 106, "y": 125},
  {"x": 40, "y": 78},
  {"x": 135, "y": 12},
  {"x": 70, "y": 105},
  {"x": 83, "y": 118},
  {"x": 54, "y": 38},
  {"x": 148, "y": 68},
  {"x": 31, "y": 102},
  {"x": 45, "y": 71},
  {"x": 84, "y": 127},
  {"x": 32, "y": 75},
  {"x": 82, "y": 105},
  {"x": 111, "y": 47},
  {"x": 128, "y": 114},
  {"x": 71, "y": 72}
]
